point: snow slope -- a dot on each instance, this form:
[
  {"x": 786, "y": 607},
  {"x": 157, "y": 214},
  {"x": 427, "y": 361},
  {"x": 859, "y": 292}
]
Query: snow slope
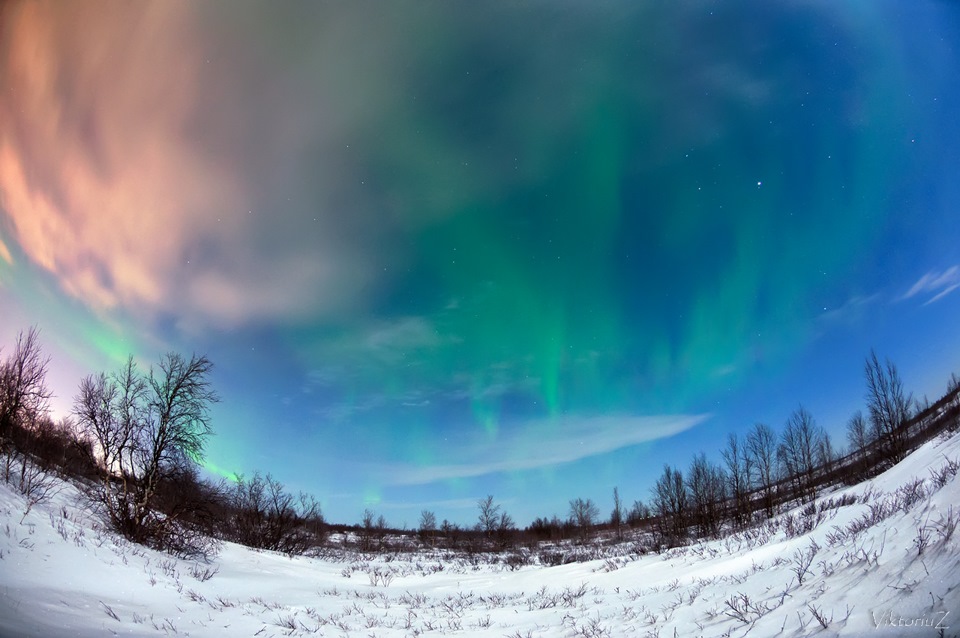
[{"x": 860, "y": 570}]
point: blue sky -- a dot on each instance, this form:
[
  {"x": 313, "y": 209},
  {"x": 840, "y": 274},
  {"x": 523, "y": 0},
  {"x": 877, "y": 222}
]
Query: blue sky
[{"x": 438, "y": 251}]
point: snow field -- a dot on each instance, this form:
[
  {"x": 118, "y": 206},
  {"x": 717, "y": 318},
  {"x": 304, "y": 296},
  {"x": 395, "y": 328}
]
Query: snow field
[{"x": 879, "y": 558}]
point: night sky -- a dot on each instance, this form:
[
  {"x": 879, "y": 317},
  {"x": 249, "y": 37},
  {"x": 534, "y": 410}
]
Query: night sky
[{"x": 439, "y": 250}]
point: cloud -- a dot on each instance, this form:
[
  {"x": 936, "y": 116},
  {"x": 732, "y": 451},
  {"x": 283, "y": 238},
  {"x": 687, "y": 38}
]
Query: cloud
[
  {"x": 374, "y": 348},
  {"x": 850, "y": 311},
  {"x": 935, "y": 283},
  {"x": 5, "y": 253},
  {"x": 400, "y": 335},
  {"x": 543, "y": 444},
  {"x": 150, "y": 170},
  {"x": 91, "y": 172},
  {"x": 451, "y": 503}
]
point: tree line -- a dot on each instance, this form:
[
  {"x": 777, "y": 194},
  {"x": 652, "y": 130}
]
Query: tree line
[{"x": 136, "y": 439}]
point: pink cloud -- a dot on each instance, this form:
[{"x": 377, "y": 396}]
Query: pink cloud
[
  {"x": 100, "y": 188},
  {"x": 129, "y": 168}
]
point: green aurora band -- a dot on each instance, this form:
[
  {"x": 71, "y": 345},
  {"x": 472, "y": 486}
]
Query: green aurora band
[{"x": 583, "y": 232}]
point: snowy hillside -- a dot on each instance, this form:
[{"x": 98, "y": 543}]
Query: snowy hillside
[{"x": 880, "y": 558}]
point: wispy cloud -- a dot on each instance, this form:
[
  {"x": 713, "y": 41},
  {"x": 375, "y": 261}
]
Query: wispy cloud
[
  {"x": 400, "y": 335},
  {"x": 850, "y": 311},
  {"x": 544, "y": 443},
  {"x": 935, "y": 284},
  {"x": 450, "y": 503}
]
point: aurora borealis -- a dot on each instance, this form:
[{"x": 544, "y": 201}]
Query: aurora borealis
[{"x": 438, "y": 250}]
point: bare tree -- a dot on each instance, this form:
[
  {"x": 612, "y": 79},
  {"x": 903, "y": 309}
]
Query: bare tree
[
  {"x": 616, "y": 516},
  {"x": 249, "y": 501},
  {"x": 505, "y": 530},
  {"x": 889, "y": 407},
  {"x": 826, "y": 454},
  {"x": 53, "y": 444},
  {"x": 583, "y": 515},
  {"x": 738, "y": 464},
  {"x": 145, "y": 429},
  {"x": 858, "y": 439},
  {"x": 639, "y": 512},
  {"x": 705, "y": 485},
  {"x": 495, "y": 524},
  {"x": 489, "y": 518},
  {"x": 24, "y": 395},
  {"x": 670, "y": 505},
  {"x": 111, "y": 411},
  {"x": 199, "y": 507},
  {"x": 953, "y": 390},
  {"x": 762, "y": 454},
  {"x": 797, "y": 453},
  {"x": 368, "y": 526},
  {"x": 545, "y": 529},
  {"x": 428, "y": 524},
  {"x": 374, "y": 534},
  {"x": 451, "y": 533}
]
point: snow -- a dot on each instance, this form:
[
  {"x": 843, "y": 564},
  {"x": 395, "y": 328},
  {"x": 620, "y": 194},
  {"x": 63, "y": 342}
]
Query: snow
[{"x": 61, "y": 574}]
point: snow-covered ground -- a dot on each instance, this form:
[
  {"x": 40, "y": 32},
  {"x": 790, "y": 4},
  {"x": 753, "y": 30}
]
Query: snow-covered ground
[{"x": 881, "y": 559}]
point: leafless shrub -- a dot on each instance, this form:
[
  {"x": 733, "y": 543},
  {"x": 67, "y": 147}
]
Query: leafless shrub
[
  {"x": 169, "y": 568},
  {"x": 26, "y": 476},
  {"x": 483, "y": 623},
  {"x": 287, "y": 622},
  {"x": 203, "y": 573},
  {"x": 740, "y": 607},
  {"x": 943, "y": 474},
  {"x": 543, "y": 599},
  {"x": 806, "y": 522},
  {"x": 819, "y": 615},
  {"x": 802, "y": 561},
  {"x": 381, "y": 576},
  {"x": 266, "y": 516},
  {"x": 836, "y": 502},
  {"x": 863, "y": 554},
  {"x": 836, "y": 537},
  {"x": 516, "y": 560},
  {"x": 550, "y": 557},
  {"x": 187, "y": 541},
  {"x": 591, "y": 628},
  {"x": 570, "y": 595},
  {"x": 946, "y": 525},
  {"x": 909, "y": 494},
  {"x": 109, "y": 611},
  {"x": 876, "y": 512},
  {"x": 922, "y": 539},
  {"x": 826, "y": 568}
]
